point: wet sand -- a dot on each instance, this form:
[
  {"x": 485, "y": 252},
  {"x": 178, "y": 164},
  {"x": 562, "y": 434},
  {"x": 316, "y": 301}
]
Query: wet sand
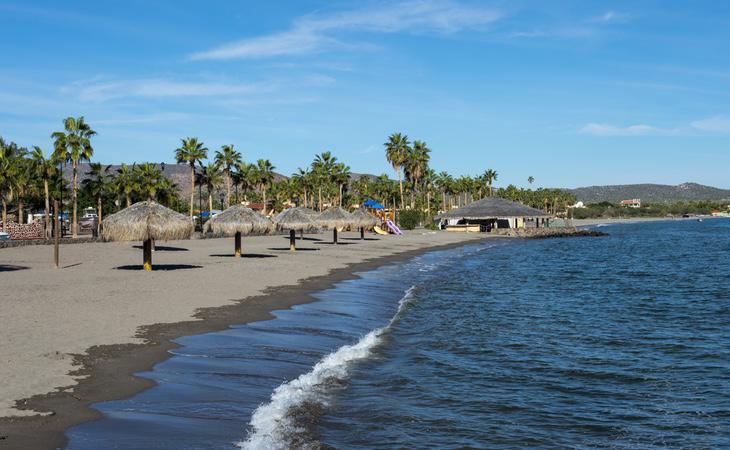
[{"x": 75, "y": 336}]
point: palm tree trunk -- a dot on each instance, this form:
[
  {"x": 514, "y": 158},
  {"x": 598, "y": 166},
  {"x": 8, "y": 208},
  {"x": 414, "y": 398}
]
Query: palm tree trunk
[
  {"x": 305, "y": 197},
  {"x": 5, "y": 214},
  {"x": 443, "y": 199},
  {"x": 20, "y": 210},
  {"x": 128, "y": 198},
  {"x": 98, "y": 224},
  {"x": 400, "y": 185},
  {"x": 228, "y": 187},
  {"x": 48, "y": 208},
  {"x": 428, "y": 202},
  {"x": 74, "y": 224},
  {"x": 339, "y": 203},
  {"x": 210, "y": 203},
  {"x": 264, "y": 192},
  {"x": 192, "y": 190},
  {"x": 320, "y": 198}
]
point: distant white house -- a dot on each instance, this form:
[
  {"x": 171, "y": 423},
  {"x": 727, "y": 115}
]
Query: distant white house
[
  {"x": 632, "y": 203},
  {"x": 579, "y": 205}
]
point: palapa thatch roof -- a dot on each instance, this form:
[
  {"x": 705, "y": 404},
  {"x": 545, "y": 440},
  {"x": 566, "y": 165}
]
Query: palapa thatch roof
[
  {"x": 364, "y": 219},
  {"x": 336, "y": 217},
  {"x": 311, "y": 212},
  {"x": 239, "y": 219},
  {"x": 146, "y": 220},
  {"x": 294, "y": 219},
  {"x": 492, "y": 208}
]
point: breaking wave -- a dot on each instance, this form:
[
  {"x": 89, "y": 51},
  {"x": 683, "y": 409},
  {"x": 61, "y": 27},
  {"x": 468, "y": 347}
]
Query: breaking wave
[{"x": 289, "y": 419}]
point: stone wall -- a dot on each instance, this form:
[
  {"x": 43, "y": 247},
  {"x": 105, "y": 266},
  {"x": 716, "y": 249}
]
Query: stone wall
[
  {"x": 538, "y": 233},
  {"x": 25, "y": 231}
]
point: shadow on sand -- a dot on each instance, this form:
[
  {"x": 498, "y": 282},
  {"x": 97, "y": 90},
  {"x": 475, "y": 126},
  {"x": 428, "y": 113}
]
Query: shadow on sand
[
  {"x": 11, "y": 268},
  {"x": 358, "y": 239},
  {"x": 304, "y": 249},
  {"x": 162, "y": 248},
  {"x": 160, "y": 267},
  {"x": 245, "y": 255},
  {"x": 332, "y": 243},
  {"x": 304, "y": 238}
]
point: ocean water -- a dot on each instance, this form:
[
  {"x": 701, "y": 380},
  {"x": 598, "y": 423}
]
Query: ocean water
[{"x": 618, "y": 342}]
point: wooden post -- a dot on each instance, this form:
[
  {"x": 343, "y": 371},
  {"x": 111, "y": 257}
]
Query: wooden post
[
  {"x": 147, "y": 254},
  {"x": 334, "y": 235},
  {"x": 292, "y": 240},
  {"x": 56, "y": 234},
  {"x": 362, "y": 233},
  {"x": 238, "y": 244}
]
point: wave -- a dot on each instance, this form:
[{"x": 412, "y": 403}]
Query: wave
[{"x": 288, "y": 420}]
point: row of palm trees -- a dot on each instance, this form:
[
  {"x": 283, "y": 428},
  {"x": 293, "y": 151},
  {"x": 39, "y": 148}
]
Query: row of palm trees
[{"x": 325, "y": 181}]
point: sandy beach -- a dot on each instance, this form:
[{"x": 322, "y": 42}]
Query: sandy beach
[{"x": 67, "y": 333}]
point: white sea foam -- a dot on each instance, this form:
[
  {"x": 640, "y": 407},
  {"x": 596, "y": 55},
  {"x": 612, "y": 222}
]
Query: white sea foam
[{"x": 273, "y": 424}]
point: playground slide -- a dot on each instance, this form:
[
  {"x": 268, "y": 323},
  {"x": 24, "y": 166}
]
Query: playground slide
[
  {"x": 393, "y": 228},
  {"x": 379, "y": 230}
]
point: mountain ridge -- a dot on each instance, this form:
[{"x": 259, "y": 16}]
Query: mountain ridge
[{"x": 649, "y": 192}]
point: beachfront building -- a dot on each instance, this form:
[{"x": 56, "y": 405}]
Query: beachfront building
[
  {"x": 491, "y": 213},
  {"x": 631, "y": 203}
]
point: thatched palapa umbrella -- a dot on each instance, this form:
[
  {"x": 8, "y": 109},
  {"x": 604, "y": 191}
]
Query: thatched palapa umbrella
[
  {"x": 145, "y": 221},
  {"x": 294, "y": 219},
  {"x": 335, "y": 217},
  {"x": 365, "y": 220},
  {"x": 238, "y": 220}
]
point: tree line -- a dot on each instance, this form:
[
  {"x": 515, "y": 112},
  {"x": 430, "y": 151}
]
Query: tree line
[{"x": 34, "y": 177}]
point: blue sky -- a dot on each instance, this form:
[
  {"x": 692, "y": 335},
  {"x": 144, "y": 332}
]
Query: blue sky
[{"x": 570, "y": 92}]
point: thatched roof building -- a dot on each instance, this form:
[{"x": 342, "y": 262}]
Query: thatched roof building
[
  {"x": 294, "y": 219},
  {"x": 364, "y": 219},
  {"x": 146, "y": 220},
  {"x": 495, "y": 212},
  {"x": 336, "y": 217},
  {"x": 239, "y": 219}
]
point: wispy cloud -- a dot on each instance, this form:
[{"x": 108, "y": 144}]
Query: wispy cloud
[
  {"x": 716, "y": 124},
  {"x": 604, "y": 129},
  {"x": 99, "y": 91},
  {"x": 713, "y": 125},
  {"x": 314, "y": 33},
  {"x": 611, "y": 17}
]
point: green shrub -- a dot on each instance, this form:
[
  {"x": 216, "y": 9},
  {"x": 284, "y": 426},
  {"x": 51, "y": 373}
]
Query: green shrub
[{"x": 409, "y": 219}]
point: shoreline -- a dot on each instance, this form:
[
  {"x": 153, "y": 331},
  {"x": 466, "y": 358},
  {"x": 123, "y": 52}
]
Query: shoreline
[{"x": 108, "y": 370}]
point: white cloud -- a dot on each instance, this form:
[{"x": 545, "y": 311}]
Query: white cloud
[
  {"x": 99, "y": 91},
  {"x": 603, "y": 129},
  {"x": 716, "y": 124},
  {"x": 309, "y": 34},
  {"x": 611, "y": 17}
]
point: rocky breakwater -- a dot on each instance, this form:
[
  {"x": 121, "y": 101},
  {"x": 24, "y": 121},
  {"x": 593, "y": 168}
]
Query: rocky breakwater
[{"x": 545, "y": 233}]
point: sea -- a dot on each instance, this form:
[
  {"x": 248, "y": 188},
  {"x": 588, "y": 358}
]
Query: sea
[{"x": 615, "y": 342}]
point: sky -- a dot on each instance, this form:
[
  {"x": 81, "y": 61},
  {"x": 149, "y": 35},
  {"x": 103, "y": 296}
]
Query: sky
[{"x": 573, "y": 93}]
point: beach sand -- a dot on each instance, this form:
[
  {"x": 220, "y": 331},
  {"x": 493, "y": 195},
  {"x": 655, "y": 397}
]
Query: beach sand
[{"x": 73, "y": 336}]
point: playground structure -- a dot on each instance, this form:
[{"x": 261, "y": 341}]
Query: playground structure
[{"x": 386, "y": 217}]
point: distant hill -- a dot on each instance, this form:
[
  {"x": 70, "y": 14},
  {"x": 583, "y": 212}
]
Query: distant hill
[{"x": 649, "y": 193}]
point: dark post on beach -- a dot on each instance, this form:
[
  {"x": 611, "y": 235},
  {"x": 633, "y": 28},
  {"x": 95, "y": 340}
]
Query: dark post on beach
[
  {"x": 362, "y": 233},
  {"x": 237, "y": 239},
  {"x": 56, "y": 234},
  {"x": 334, "y": 235},
  {"x": 147, "y": 254},
  {"x": 292, "y": 240}
]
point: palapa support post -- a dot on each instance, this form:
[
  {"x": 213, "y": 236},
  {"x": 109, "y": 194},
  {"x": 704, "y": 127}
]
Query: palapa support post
[
  {"x": 292, "y": 240},
  {"x": 56, "y": 234},
  {"x": 334, "y": 235},
  {"x": 238, "y": 244},
  {"x": 362, "y": 233},
  {"x": 301, "y": 234},
  {"x": 147, "y": 254}
]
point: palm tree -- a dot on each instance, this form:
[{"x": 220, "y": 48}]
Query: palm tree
[
  {"x": 264, "y": 175},
  {"x": 341, "y": 175},
  {"x": 323, "y": 168},
  {"x": 415, "y": 164},
  {"x": 149, "y": 180},
  {"x": 227, "y": 158},
  {"x": 302, "y": 178},
  {"x": 396, "y": 150},
  {"x": 429, "y": 180},
  {"x": 530, "y": 180},
  {"x": 44, "y": 169},
  {"x": 7, "y": 168},
  {"x": 125, "y": 183},
  {"x": 490, "y": 176},
  {"x": 74, "y": 145},
  {"x": 191, "y": 152},
  {"x": 23, "y": 181},
  {"x": 96, "y": 184},
  {"x": 211, "y": 176}
]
